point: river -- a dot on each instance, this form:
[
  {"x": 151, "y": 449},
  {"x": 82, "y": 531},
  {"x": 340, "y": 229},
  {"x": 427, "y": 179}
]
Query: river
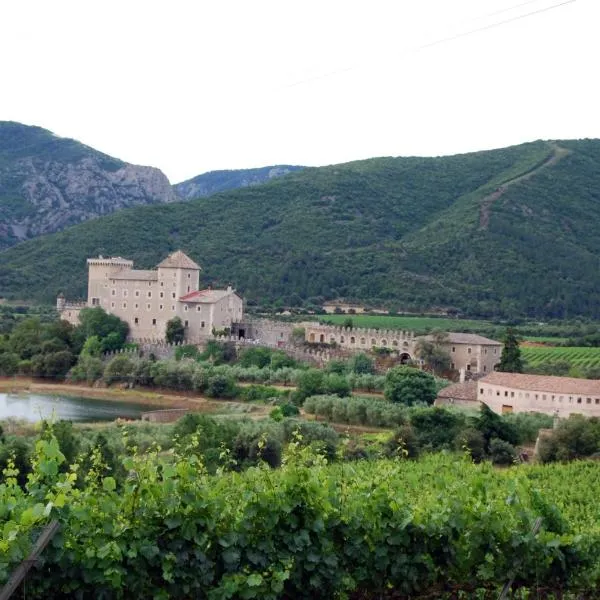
[{"x": 35, "y": 407}]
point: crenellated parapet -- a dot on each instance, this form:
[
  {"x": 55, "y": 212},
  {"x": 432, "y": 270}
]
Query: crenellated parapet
[{"x": 361, "y": 338}]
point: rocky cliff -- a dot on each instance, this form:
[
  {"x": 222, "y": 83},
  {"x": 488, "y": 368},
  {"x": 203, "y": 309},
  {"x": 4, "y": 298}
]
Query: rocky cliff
[
  {"x": 213, "y": 182},
  {"x": 48, "y": 183}
]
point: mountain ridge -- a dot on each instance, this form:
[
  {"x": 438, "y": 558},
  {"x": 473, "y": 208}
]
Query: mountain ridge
[{"x": 400, "y": 232}]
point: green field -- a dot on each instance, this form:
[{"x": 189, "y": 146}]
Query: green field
[
  {"x": 575, "y": 356},
  {"x": 419, "y": 324}
]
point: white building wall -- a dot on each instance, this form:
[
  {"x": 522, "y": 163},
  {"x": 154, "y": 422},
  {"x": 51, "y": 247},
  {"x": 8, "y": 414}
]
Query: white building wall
[{"x": 503, "y": 399}]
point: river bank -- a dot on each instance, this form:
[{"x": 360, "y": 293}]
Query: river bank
[{"x": 154, "y": 398}]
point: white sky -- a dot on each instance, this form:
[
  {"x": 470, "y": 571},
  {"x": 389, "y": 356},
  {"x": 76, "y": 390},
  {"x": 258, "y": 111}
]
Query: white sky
[{"x": 193, "y": 86}]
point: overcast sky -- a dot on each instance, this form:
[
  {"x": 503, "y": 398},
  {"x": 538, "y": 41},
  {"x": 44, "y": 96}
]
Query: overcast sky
[{"x": 194, "y": 86}]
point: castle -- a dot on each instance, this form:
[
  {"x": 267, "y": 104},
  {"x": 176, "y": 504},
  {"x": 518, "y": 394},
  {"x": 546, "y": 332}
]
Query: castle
[{"x": 147, "y": 299}]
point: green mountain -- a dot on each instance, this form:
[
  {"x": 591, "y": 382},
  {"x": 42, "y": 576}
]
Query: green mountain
[
  {"x": 221, "y": 181},
  {"x": 502, "y": 232},
  {"x": 48, "y": 183}
]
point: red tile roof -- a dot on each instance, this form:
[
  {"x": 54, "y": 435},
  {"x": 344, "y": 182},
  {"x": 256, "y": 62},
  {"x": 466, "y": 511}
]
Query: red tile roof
[{"x": 544, "y": 383}]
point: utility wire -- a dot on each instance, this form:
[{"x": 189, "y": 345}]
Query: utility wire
[{"x": 453, "y": 37}]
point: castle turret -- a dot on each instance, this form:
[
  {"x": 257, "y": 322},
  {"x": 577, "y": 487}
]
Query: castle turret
[{"x": 60, "y": 302}]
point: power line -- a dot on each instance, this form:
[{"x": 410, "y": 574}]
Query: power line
[
  {"x": 492, "y": 25},
  {"x": 453, "y": 37}
]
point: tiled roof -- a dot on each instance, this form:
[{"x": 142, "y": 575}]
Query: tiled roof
[
  {"x": 460, "y": 391},
  {"x": 178, "y": 260},
  {"x": 136, "y": 275},
  {"x": 544, "y": 383},
  {"x": 466, "y": 338},
  {"x": 206, "y": 296}
]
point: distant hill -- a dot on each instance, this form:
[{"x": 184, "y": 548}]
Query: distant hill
[
  {"x": 503, "y": 232},
  {"x": 48, "y": 183},
  {"x": 213, "y": 182}
]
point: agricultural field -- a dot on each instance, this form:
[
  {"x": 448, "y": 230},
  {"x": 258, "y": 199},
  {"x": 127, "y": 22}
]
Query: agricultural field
[{"x": 580, "y": 357}]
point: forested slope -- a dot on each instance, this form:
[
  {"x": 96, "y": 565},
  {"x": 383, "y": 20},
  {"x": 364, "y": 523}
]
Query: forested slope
[{"x": 404, "y": 232}]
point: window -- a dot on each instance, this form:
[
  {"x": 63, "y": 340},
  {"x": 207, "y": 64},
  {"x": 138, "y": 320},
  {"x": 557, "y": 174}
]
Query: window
[
  {"x": 160, "y": 307},
  {"x": 136, "y": 321},
  {"x": 495, "y": 350},
  {"x": 185, "y": 307},
  {"x": 153, "y": 321},
  {"x": 578, "y": 400},
  {"x": 162, "y": 283},
  {"x": 373, "y": 342},
  {"x": 124, "y": 304},
  {"x": 597, "y": 400},
  {"x": 113, "y": 292},
  {"x": 484, "y": 368},
  {"x": 189, "y": 275},
  {"x": 173, "y": 308},
  {"x": 481, "y": 390},
  {"x": 543, "y": 396},
  {"x": 497, "y": 393},
  {"x": 202, "y": 324},
  {"x": 112, "y": 304},
  {"x": 137, "y": 306},
  {"x": 485, "y": 350},
  {"x": 506, "y": 394},
  {"x": 175, "y": 274},
  {"x": 588, "y": 400},
  {"x": 95, "y": 301},
  {"x": 468, "y": 367},
  {"x": 125, "y": 292},
  {"x": 147, "y": 306},
  {"x": 384, "y": 342},
  {"x": 149, "y": 284},
  {"x": 162, "y": 294},
  {"x": 149, "y": 294},
  {"x": 198, "y": 308},
  {"x": 395, "y": 343},
  {"x": 452, "y": 366},
  {"x": 332, "y": 340},
  {"x": 173, "y": 294},
  {"x": 352, "y": 340},
  {"x": 185, "y": 324},
  {"x": 453, "y": 348},
  {"x": 536, "y": 396},
  {"x": 363, "y": 341},
  {"x": 188, "y": 288},
  {"x": 512, "y": 394},
  {"x": 137, "y": 293},
  {"x": 468, "y": 350}
]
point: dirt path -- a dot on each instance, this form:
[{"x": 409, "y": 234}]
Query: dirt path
[{"x": 487, "y": 202}]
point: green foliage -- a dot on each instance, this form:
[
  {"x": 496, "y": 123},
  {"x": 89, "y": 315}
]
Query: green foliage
[
  {"x": 361, "y": 364},
  {"x": 175, "y": 331},
  {"x": 306, "y": 530},
  {"x": 502, "y": 453},
  {"x": 575, "y": 437},
  {"x": 187, "y": 351},
  {"x": 493, "y": 426},
  {"x": 9, "y": 363},
  {"x": 510, "y": 360},
  {"x": 118, "y": 369},
  {"x": 109, "y": 329},
  {"x": 219, "y": 353},
  {"x": 409, "y": 386}
]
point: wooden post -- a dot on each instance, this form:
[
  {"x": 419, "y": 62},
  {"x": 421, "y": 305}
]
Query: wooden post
[
  {"x": 504, "y": 593},
  {"x": 17, "y": 577}
]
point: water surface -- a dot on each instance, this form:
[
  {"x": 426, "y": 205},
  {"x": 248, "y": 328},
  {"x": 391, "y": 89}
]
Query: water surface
[{"x": 35, "y": 407}]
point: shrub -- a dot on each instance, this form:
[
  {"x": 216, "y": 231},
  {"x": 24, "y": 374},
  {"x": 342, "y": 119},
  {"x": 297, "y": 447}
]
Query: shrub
[
  {"x": 409, "y": 386},
  {"x": 221, "y": 386},
  {"x": 337, "y": 384},
  {"x": 9, "y": 363},
  {"x": 120, "y": 368},
  {"x": 502, "y": 453}
]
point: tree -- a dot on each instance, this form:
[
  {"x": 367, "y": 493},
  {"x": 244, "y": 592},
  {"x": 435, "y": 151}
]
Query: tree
[
  {"x": 361, "y": 364},
  {"x": 510, "y": 360},
  {"x": 432, "y": 353},
  {"x": 96, "y": 321},
  {"x": 348, "y": 323},
  {"x": 175, "y": 332},
  {"x": 409, "y": 386}
]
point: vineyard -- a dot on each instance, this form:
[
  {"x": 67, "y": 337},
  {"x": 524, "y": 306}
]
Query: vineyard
[
  {"x": 440, "y": 527},
  {"x": 576, "y": 356}
]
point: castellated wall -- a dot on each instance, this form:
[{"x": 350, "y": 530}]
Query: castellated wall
[{"x": 361, "y": 339}]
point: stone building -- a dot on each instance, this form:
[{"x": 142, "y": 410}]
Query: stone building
[
  {"x": 462, "y": 394},
  {"x": 364, "y": 339},
  {"x": 471, "y": 353},
  {"x": 559, "y": 396},
  {"x": 147, "y": 299}
]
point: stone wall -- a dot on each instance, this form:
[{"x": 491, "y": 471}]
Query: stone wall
[
  {"x": 164, "y": 416},
  {"x": 360, "y": 339}
]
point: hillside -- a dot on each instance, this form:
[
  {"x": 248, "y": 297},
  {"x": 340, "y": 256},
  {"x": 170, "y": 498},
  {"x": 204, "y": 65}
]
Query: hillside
[
  {"x": 221, "y": 181},
  {"x": 48, "y": 183},
  {"x": 503, "y": 232}
]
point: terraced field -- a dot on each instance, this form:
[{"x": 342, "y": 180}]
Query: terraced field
[{"x": 576, "y": 356}]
